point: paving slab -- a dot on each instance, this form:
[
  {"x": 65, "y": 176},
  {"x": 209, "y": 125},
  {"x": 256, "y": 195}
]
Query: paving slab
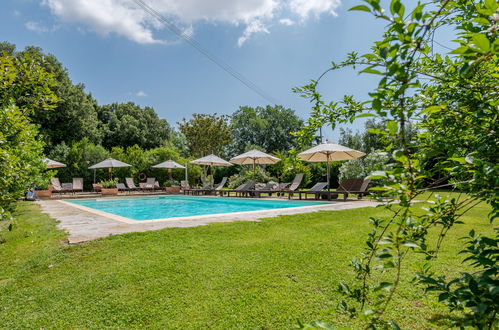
[{"x": 84, "y": 225}]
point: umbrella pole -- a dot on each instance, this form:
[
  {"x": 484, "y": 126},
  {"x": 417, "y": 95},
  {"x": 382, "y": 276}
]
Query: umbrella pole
[
  {"x": 328, "y": 173},
  {"x": 186, "y": 175},
  {"x": 110, "y": 173},
  {"x": 254, "y": 167},
  {"x": 170, "y": 173},
  {"x": 94, "y": 175}
]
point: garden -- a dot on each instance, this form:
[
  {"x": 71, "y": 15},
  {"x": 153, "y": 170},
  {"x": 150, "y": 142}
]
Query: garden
[{"x": 427, "y": 258}]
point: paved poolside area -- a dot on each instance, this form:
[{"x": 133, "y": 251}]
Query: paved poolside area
[{"x": 83, "y": 225}]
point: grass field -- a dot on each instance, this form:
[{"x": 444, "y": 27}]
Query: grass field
[{"x": 263, "y": 274}]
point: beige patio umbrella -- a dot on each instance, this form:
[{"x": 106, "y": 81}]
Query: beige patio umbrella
[
  {"x": 327, "y": 152},
  {"x": 52, "y": 163},
  {"x": 211, "y": 160},
  {"x": 254, "y": 157},
  {"x": 109, "y": 163},
  {"x": 169, "y": 164}
]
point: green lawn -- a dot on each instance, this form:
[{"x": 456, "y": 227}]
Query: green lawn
[{"x": 262, "y": 274}]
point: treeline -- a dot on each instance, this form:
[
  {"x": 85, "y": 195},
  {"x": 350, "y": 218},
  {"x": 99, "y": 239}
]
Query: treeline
[{"x": 77, "y": 115}]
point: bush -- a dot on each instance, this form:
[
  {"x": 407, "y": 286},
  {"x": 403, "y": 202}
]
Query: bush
[
  {"x": 247, "y": 175},
  {"x": 170, "y": 183},
  {"x": 289, "y": 166},
  {"x": 25, "y": 87},
  {"x": 109, "y": 184},
  {"x": 363, "y": 167}
]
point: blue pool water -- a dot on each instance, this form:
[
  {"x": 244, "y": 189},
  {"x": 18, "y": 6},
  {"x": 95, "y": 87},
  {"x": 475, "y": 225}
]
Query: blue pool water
[{"x": 149, "y": 208}]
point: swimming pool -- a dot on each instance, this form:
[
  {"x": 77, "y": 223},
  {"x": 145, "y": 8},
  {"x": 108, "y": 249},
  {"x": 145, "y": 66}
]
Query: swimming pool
[{"x": 164, "y": 207}]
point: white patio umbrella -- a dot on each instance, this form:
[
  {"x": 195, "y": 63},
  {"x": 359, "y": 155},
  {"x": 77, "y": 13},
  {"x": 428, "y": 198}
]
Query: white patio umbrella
[
  {"x": 211, "y": 160},
  {"x": 109, "y": 163},
  {"x": 254, "y": 157},
  {"x": 327, "y": 152},
  {"x": 169, "y": 164},
  {"x": 52, "y": 163}
]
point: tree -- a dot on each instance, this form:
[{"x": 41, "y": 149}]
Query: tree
[
  {"x": 206, "y": 134},
  {"x": 78, "y": 157},
  {"x": 370, "y": 140},
  {"x": 454, "y": 99},
  {"x": 268, "y": 127},
  {"x": 75, "y": 114},
  {"x": 127, "y": 124},
  {"x": 364, "y": 167},
  {"x": 26, "y": 87}
]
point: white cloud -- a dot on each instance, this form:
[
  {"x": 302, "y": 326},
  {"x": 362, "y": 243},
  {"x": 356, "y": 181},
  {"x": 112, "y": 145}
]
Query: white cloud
[
  {"x": 304, "y": 8},
  {"x": 141, "y": 94},
  {"x": 37, "y": 27},
  {"x": 252, "y": 28},
  {"x": 126, "y": 18},
  {"x": 286, "y": 21}
]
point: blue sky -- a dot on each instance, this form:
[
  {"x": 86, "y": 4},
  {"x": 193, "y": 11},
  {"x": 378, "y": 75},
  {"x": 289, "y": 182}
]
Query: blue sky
[{"x": 286, "y": 46}]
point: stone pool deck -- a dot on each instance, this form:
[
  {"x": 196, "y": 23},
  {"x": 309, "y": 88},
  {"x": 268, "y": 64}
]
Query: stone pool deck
[{"x": 83, "y": 225}]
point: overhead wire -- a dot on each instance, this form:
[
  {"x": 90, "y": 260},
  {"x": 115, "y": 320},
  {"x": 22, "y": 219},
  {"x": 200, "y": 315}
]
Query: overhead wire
[{"x": 194, "y": 43}]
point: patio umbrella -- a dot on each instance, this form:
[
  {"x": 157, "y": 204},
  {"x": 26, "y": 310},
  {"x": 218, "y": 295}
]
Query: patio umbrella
[
  {"x": 52, "y": 163},
  {"x": 169, "y": 164},
  {"x": 211, "y": 160},
  {"x": 326, "y": 152},
  {"x": 254, "y": 157},
  {"x": 109, "y": 163}
]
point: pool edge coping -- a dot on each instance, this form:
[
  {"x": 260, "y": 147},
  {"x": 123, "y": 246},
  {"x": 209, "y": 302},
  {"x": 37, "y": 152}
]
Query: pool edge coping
[{"x": 187, "y": 218}]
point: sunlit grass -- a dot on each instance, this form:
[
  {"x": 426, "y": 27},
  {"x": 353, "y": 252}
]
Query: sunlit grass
[{"x": 263, "y": 274}]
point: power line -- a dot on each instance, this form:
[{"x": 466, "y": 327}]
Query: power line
[{"x": 194, "y": 43}]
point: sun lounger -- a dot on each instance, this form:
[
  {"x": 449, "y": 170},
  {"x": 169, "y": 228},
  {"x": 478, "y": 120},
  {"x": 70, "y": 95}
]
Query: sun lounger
[
  {"x": 67, "y": 186},
  {"x": 217, "y": 188},
  {"x": 57, "y": 187},
  {"x": 77, "y": 184},
  {"x": 349, "y": 186},
  {"x": 293, "y": 186},
  {"x": 150, "y": 184},
  {"x": 316, "y": 189},
  {"x": 269, "y": 189},
  {"x": 122, "y": 187},
  {"x": 207, "y": 187},
  {"x": 248, "y": 190},
  {"x": 130, "y": 184},
  {"x": 242, "y": 189},
  {"x": 184, "y": 185}
]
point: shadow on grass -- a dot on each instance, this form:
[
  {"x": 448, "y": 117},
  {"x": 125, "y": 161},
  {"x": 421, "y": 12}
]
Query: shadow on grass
[{"x": 446, "y": 320}]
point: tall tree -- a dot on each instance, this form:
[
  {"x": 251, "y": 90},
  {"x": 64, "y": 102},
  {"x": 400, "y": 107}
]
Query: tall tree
[
  {"x": 74, "y": 116},
  {"x": 25, "y": 87},
  {"x": 370, "y": 140},
  {"x": 206, "y": 133},
  {"x": 268, "y": 127},
  {"x": 127, "y": 124}
]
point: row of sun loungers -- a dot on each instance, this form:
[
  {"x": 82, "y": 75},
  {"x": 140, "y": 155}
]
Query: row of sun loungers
[
  {"x": 74, "y": 187},
  {"x": 347, "y": 187},
  {"x": 77, "y": 186}
]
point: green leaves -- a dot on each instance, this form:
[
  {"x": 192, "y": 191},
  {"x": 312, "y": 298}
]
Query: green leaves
[
  {"x": 371, "y": 70},
  {"x": 392, "y": 127},
  {"x": 481, "y": 42},
  {"x": 397, "y": 8},
  {"x": 360, "y": 8},
  {"x": 452, "y": 98}
]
